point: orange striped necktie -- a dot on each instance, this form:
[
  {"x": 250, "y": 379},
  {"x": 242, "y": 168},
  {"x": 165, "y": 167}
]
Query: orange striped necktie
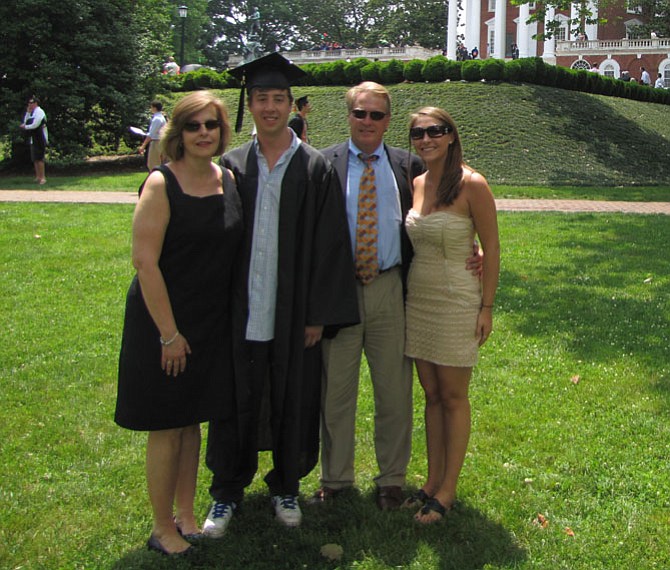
[{"x": 367, "y": 265}]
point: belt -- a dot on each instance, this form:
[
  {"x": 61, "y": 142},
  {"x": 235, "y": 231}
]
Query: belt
[{"x": 388, "y": 269}]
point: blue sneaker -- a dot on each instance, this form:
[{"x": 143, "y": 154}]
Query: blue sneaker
[{"x": 218, "y": 519}]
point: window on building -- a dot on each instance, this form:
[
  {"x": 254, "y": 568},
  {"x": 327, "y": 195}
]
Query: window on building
[
  {"x": 608, "y": 70},
  {"x": 561, "y": 34},
  {"x": 633, "y": 8},
  {"x": 492, "y": 5},
  {"x": 492, "y": 37},
  {"x": 581, "y": 64}
]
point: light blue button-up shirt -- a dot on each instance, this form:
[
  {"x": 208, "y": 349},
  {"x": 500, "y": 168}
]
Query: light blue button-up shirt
[
  {"x": 263, "y": 267},
  {"x": 389, "y": 213}
]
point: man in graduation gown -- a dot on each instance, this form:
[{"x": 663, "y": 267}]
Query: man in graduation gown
[{"x": 295, "y": 276}]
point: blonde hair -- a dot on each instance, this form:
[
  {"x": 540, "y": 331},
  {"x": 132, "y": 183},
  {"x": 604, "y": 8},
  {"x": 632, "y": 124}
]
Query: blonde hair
[
  {"x": 171, "y": 143},
  {"x": 452, "y": 177},
  {"x": 367, "y": 87}
]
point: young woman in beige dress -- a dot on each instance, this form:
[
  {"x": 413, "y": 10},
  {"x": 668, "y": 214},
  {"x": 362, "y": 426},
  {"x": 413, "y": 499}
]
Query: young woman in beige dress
[{"x": 449, "y": 310}]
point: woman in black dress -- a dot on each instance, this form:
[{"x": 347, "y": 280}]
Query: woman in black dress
[{"x": 174, "y": 367}]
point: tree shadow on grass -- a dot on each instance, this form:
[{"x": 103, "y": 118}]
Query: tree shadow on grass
[
  {"x": 608, "y": 141},
  {"x": 466, "y": 540}
]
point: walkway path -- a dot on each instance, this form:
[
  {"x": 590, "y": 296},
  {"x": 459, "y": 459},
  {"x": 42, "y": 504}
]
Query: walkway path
[{"x": 516, "y": 205}]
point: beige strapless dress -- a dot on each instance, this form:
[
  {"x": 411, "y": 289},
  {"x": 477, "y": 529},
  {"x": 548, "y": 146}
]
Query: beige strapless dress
[{"x": 443, "y": 298}]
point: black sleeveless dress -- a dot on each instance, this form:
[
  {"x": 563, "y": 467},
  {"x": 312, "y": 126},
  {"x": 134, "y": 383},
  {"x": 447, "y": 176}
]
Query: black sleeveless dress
[{"x": 199, "y": 254}]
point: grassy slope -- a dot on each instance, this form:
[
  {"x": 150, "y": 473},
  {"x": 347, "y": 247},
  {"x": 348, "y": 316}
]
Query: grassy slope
[{"x": 516, "y": 135}]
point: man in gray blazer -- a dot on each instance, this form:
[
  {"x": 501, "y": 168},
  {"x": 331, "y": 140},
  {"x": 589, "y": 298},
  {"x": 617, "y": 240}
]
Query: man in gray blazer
[{"x": 381, "y": 332}]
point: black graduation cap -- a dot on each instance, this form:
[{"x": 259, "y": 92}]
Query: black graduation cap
[{"x": 271, "y": 71}]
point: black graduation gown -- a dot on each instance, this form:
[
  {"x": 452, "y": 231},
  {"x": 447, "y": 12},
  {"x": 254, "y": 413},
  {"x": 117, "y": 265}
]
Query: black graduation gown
[{"x": 316, "y": 286}]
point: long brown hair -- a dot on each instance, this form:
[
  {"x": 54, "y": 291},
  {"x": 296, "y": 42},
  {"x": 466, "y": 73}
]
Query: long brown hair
[{"x": 452, "y": 177}]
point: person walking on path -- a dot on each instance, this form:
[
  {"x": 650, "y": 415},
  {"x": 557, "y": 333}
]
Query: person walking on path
[
  {"x": 158, "y": 121},
  {"x": 35, "y": 124},
  {"x": 299, "y": 121}
]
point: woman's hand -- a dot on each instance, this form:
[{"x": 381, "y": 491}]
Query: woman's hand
[
  {"x": 484, "y": 324},
  {"x": 173, "y": 357}
]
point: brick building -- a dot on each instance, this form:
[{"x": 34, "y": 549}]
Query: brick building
[{"x": 612, "y": 48}]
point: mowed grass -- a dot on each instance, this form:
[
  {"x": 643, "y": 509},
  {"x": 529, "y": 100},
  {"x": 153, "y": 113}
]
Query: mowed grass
[
  {"x": 516, "y": 135},
  {"x": 571, "y": 400}
]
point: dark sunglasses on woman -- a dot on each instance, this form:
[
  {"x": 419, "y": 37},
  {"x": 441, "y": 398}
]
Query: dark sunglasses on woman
[
  {"x": 434, "y": 132},
  {"x": 194, "y": 126}
]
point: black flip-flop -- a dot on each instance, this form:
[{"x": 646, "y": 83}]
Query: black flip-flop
[
  {"x": 416, "y": 499},
  {"x": 433, "y": 505}
]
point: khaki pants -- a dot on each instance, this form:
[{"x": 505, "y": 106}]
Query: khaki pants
[{"x": 381, "y": 335}]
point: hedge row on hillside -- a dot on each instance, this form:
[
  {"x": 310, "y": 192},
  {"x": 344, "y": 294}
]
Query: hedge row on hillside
[{"x": 439, "y": 68}]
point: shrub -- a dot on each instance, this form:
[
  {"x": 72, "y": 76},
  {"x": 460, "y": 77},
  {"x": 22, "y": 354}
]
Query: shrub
[
  {"x": 513, "y": 70},
  {"x": 549, "y": 75},
  {"x": 471, "y": 70},
  {"x": 337, "y": 75},
  {"x": 412, "y": 70},
  {"x": 493, "y": 69},
  {"x": 352, "y": 70},
  {"x": 392, "y": 72},
  {"x": 528, "y": 67},
  {"x": 434, "y": 69},
  {"x": 452, "y": 70},
  {"x": 371, "y": 72},
  {"x": 320, "y": 74}
]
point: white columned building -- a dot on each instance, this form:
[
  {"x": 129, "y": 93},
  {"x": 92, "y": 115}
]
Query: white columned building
[
  {"x": 523, "y": 35},
  {"x": 473, "y": 16},
  {"x": 452, "y": 29},
  {"x": 591, "y": 30},
  {"x": 549, "y": 54},
  {"x": 499, "y": 29}
]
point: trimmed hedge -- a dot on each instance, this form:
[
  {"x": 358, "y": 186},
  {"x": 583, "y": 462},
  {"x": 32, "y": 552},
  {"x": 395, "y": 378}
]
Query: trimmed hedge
[{"x": 436, "y": 69}]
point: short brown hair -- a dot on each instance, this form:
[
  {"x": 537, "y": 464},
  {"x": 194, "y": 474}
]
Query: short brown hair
[{"x": 171, "y": 140}]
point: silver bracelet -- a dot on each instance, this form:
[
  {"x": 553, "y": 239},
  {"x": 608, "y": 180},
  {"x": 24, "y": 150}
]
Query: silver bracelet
[{"x": 169, "y": 342}]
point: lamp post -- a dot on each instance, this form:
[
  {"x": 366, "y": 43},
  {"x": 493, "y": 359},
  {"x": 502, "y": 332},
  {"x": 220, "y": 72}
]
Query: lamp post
[{"x": 183, "y": 12}]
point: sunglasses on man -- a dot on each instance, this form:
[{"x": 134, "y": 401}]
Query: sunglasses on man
[
  {"x": 374, "y": 115},
  {"x": 434, "y": 132}
]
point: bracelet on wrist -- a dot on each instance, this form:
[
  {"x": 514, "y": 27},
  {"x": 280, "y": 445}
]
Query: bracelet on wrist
[
  {"x": 169, "y": 342},
  {"x": 486, "y": 306}
]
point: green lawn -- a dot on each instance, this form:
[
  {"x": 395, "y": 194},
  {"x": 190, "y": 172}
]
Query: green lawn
[{"x": 571, "y": 400}]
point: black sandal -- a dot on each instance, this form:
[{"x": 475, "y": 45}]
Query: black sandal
[
  {"x": 432, "y": 505},
  {"x": 416, "y": 499}
]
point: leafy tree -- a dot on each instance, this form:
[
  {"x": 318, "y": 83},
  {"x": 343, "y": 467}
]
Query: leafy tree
[
  {"x": 87, "y": 60},
  {"x": 657, "y": 16}
]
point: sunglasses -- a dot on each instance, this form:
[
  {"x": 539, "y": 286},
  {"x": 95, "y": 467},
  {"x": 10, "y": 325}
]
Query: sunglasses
[
  {"x": 434, "y": 132},
  {"x": 194, "y": 126},
  {"x": 374, "y": 115}
]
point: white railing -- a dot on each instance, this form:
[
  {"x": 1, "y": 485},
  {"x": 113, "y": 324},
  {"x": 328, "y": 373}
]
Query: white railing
[
  {"x": 647, "y": 45},
  {"x": 379, "y": 54}
]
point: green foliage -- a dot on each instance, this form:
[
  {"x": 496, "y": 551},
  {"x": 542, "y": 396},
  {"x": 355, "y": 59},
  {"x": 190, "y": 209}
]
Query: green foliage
[
  {"x": 392, "y": 72},
  {"x": 371, "y": 72},
  {"x": 471, "y": 70},
  {"x": 513, "y": 71},
  {"x": 434, "y": 69},
  {"x": 205, "y": 78},
  {"x": 493, "y": 69},
  {"x": 453, "y": 70},
  {"x": 413, "y": 70},
  {"x": 88, "y": 62},
  {"x": 352, "y": 70}
]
